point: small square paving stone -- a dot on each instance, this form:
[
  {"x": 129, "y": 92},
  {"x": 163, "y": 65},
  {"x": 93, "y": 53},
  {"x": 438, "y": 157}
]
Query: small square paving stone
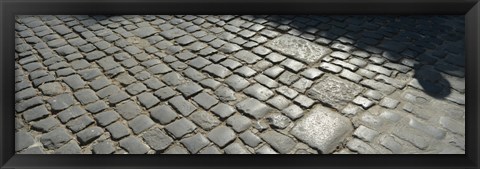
[
  {"x": 236, "y": 82},
  {"x": 236, "y": 148},
  {"x": 90, "y": 74},
  {"x": 133, "y": 145},
  {"x": 322, "y": 129},
  {"x": 86, "y": 96},
  {"x": 61, "y": 102},
  {"x": 165, "y": 93},
  {"x": 275, "y": 57},
  {"x": 173, "y": 79},
  {"x": 176, "y": 149},
  {"x": 140, "y": 123},
  {"x": 144, "y": 31},
  {"x": 330, "y": 67},
  {"x": 293, "y": 65},
  {"x": 157, "y": 139},
  {"x": 185, "y": 56},
  {"x": 254, "y": 108},
  {"x": 35, "y": 113},
  {"x": 293, "y": 112},
  {"x": 195, "y": 143},
  {"x": 217, "y": 70},
  {"x": 304, "y": 101},
  {"x": 80, "y": 123},
  {"x": 258, "y": 91},
  {"x": 312, "y": 73},
  {"x": 362, "y": 101},
  {"x": 205, "y": 100},
  {"x": 125, "y": 79},
  {"x": 55, "y": 138},
  {"x": 199, "y": 62},
  {"x": 100, "y": 83},
  {"x": 147, "y": 99},
  {"x": 223, "y": 110},
  {"x": 210, "y": 150},
  {"x": 173, "y": 33},
  {"x": 46, "y": 124},
  {"x": 163, "y": 114},
  {"x": 183, "y": 106},
  {"x": 52, "y": 89},
  {"x": 205, "y": 120},
  {"x": 25, "y": 94},
  {"x": 136, "y": 88},
  {"x": 279, "y": 102},
  {"x": 217, "y": 58},
  {"x": 69, "y": 148},
  {"x": 288, "y": 78},
  {"x": 180, "y": 127},
  {"x": 365, "y": 133},
  {"x": 250, "y": 139},
  {"x": 89, "y": 134},
  {"x": 278, "y": 121},
  {"x": 302, "y": 84},
  {"x": 351, "y": 109},
  {"x": 154, "y": 83},
  {"x": 190, "y": 88},
  {"x": 245, "y": 71},
  {"x": 389, "y": 103},
  {"x": 70, "y": 113},
  {"x": 96, "y": 107},
  {"x": 26, "y": 104},
  {"x": 231, "y": 64},
  {"x": 264, "y": 80},
  {"x": 278, "y": 141},
  {"x": 105, "y": 118},
  {"x": 159, "y": 69},
  {"x": 118, "y": 130},
  {"x": 128, "y": 110},
  {"x": 221, "y": 135},
  {"x": 287, "y": 92},
  {"x": 23, "y": 140},
  {"x": 225, "y": 94},
  {"x": 265, "y": 149},
  {"x": 239, "y": 123},
  {"x": 104, "y": 147}
]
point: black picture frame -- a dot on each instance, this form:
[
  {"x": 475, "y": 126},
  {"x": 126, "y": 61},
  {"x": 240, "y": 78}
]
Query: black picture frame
[{"x": 469, "y": 8}]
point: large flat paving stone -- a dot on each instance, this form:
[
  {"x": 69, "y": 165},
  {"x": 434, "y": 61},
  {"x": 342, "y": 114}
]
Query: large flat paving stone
[
  {"x": 334, "y": 91},
  {"x": 298, "y": 48},
  {"x": 322, "y": 129}
]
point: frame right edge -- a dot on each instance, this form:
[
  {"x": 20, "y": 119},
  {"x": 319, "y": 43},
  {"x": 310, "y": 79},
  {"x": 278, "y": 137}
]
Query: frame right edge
[{"x": 472, "y": 39}]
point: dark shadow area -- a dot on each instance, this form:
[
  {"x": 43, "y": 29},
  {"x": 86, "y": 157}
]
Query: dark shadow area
[{"x": 431, "y": 45}]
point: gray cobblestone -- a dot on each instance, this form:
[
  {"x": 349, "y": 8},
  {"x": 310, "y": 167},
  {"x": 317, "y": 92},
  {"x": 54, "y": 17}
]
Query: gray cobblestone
[
  {"x": 89, "y": 134},
  {"x": 180, "y": 127},
  {"x": 55, "y": 138},
  {"x": 118, "y": 130},
  {"x": 221, "y": 135},
  {"x": 243, "y": 76},
  {"x": 279, "y": 142},
  {"x": 133, "y": 145}
]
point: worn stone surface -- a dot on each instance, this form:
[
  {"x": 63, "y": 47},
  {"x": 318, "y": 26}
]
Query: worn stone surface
[
  {"x": 298, "y": 48},
  {"x": 323, "y": 129},
  {"x": 334, "y": 91}
]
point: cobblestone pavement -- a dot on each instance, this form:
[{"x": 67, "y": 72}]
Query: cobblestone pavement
[{"x": 239, "y": 84}]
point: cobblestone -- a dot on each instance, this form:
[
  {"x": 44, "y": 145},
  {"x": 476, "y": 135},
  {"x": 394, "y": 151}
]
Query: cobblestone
[{"x": 207, "y": 84}]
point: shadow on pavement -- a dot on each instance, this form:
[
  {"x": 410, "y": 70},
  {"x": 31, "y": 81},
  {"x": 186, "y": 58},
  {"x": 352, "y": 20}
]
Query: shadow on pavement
[{"x": 431, "y": 45}]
